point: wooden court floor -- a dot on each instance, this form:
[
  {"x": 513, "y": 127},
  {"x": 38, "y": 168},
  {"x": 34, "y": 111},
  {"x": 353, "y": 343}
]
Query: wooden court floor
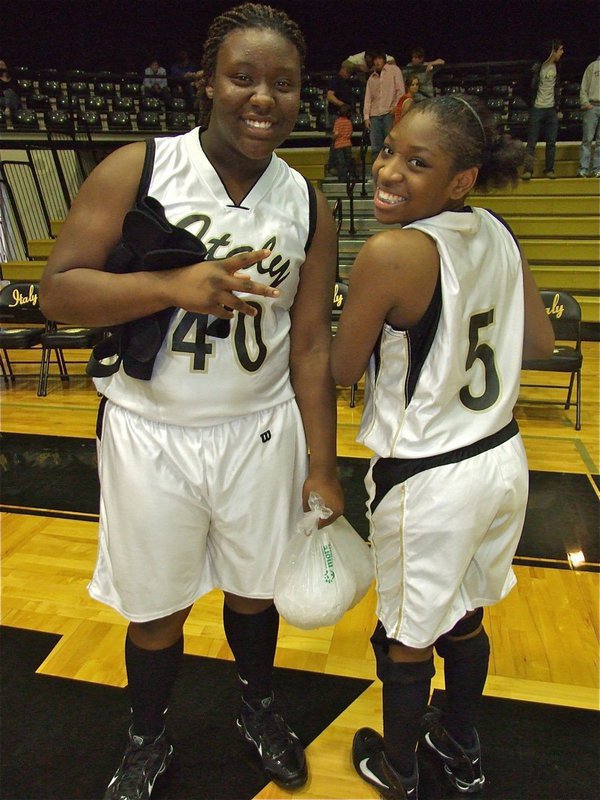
[{"x": 544, "y": 636}]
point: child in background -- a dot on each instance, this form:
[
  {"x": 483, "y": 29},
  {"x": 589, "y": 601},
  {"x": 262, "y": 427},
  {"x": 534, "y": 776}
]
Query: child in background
[
  {"x": 407, "y": 100},
  {"x": 342, "y": 143},
  {"x": 441, "y": 310}
]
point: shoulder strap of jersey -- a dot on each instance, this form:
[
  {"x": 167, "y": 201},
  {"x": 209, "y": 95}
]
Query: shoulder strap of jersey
[
  {"x": 503, "y": 222},
  {"x": 312, "y": 214},
  {"x": 146, "y": 170}
]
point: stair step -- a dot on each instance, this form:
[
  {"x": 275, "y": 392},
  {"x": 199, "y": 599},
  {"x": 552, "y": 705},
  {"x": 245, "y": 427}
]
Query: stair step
[
  {"x": 581, "y": 187},
  {"x": 522, "y": 225},
  {"x": 553, "y": 205},
  {"x": 40, "y": 248},
  {"x": 23, "y": 270},
  {"x": 571, "y": 279},
  {"x": 536, "y": 250}
]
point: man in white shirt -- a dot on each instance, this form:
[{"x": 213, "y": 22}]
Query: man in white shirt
[
  {"x": 363, "y": 61},
  {"x": 384, "y": 88},
  {"x": 589, "y": 97}
]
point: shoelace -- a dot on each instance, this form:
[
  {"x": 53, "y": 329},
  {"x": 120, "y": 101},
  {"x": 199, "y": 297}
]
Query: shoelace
[
  {"x": 135, "y": 766},
  {"x": 275, "y": 730}
]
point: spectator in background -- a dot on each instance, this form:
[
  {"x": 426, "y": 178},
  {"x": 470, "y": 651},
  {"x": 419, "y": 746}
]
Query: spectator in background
[
  {"x": 342, "y": 143},
  {"x": 9, "y": 97},
  {"x": 407, "y": 100},
  {"x": 589, "y": 97},
  {"x": 385, "y": 87},
  {"x": 339, "y": 93},
  {"x": 155, "y": 82},
  {"x": 340, "y": 90},
  {"x": 183, "y": 75},
  {"x": 363, "y": 62},
  {"x": 543, "y": 114},
  {"x": 423, "y": 70}
]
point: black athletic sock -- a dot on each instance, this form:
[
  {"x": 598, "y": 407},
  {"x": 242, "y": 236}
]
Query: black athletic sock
[
  {"x": 151, "y": 675},
  {"x": 403, "y": 707},
  {"x": 253, "y": 639},
  {"x": 465, "y": 670}
]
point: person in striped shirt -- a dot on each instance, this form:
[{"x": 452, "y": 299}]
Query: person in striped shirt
[{"x": 342, "y": 143}]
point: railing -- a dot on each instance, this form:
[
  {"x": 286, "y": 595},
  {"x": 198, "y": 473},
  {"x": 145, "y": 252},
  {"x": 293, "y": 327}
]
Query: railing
[
  {"x": 28, "y": 206},
  {"x": 338, "y": 216},
  {"x": 13, "y": 239},
  {"x": 350, "y": 184},
  {"x": 365, "y": 143}
]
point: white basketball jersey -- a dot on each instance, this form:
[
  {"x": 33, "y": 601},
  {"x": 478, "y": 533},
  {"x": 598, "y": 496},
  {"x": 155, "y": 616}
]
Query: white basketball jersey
[
  {"x": 468, "y": 382},
  {"x": 201, "y": 377}
]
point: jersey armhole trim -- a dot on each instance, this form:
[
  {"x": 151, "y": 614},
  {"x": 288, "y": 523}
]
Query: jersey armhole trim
[
  {"x": 312, "y": 214},
  {"x": 146, "y": 176},
  {"x": 503, "y": 222}
]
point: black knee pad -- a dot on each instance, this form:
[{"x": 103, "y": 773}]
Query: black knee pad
[
  {"x": 478, "y": 645},
  {"x": 467, "y": 625},
  {"x": 389, "y": 671}
]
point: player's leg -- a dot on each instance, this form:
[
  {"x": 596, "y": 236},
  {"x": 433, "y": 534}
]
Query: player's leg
[
  {"x": 389, "y": 762},
  {"x": 257, "y": 506},
  {"x": 452, "y": 734},
  {"x": 153, "y": 654},
  {"x": 149, "y": 569},
  {"x": 487, "y": 578}
]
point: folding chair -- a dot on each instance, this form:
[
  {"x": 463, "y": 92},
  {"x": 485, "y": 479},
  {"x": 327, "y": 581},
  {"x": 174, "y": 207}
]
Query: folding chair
[
  {"x": 565, "y": 315},
  {"x": 57, "y": 338},
  {"x": 19, "y": 309}
]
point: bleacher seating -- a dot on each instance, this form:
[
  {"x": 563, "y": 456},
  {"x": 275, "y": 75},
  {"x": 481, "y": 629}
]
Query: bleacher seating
[
  {"x": 503, "y": 85},
  {"x": 557, "y": 220}
]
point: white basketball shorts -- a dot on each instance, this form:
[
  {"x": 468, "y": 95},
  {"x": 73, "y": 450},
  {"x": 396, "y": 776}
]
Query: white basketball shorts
[
  {"x": 184, "y": 510},
  {"x": 443, "y": 540}
]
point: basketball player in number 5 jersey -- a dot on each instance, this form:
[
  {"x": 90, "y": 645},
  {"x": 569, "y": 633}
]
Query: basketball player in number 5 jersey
[{"x": 439, "y": 313}]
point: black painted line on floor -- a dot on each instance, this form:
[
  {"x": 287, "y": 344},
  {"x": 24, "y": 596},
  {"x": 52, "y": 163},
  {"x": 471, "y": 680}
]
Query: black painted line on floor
[{"x": 42, "y": 512}]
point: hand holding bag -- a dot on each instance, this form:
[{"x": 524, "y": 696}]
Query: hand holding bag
[{"x": 323, "y": 571}]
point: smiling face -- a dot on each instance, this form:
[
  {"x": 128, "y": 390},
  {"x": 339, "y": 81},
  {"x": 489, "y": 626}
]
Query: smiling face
[
  {"x": 255, "y": 93},
  {"x": 414, "y": 177}
]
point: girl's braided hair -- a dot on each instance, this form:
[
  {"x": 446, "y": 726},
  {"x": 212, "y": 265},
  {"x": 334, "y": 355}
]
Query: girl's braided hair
[
  {"x": 469, "y": 133},
  {"x": 244, "y": 17}
]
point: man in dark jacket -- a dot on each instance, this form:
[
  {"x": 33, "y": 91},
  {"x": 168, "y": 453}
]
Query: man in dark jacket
[{"x": 543, "y": 114}]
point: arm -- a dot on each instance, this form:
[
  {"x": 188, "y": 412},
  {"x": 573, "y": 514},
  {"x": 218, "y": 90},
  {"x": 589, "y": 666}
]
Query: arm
[
  {"x": 435, "y": 63},
  {"x": 309, "y": 361},
  {"x": 367, "y": 106},
  {"x": 538, "y": 335},
  {"x": 331, "y": 98},
  {"x": 398, "y": 88},
  {"x": 74, "y": 288},
  {"x": 584, "y": 89},
  {"x": 393, "y": 280},
  {"x": 407, "y": 105}
]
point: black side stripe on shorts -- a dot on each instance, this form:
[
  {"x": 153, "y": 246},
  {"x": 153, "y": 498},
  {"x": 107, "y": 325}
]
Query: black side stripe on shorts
[
  {"x": 100, "y": 418},
  {"x": 389, "y": 472}
]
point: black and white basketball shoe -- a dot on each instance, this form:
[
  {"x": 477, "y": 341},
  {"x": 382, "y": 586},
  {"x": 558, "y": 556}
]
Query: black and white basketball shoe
[
  {"x": 143, "y": 762},
  {"x": 279, "y": 748},
  {"x": 371, "y": 763}
]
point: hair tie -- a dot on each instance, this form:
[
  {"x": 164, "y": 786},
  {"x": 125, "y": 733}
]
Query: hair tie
[{"x": 475, "y": 114}]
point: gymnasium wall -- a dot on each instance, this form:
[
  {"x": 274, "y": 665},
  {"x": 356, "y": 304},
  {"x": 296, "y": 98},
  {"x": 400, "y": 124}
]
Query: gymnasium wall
[{"x": 127, "y": 34}]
